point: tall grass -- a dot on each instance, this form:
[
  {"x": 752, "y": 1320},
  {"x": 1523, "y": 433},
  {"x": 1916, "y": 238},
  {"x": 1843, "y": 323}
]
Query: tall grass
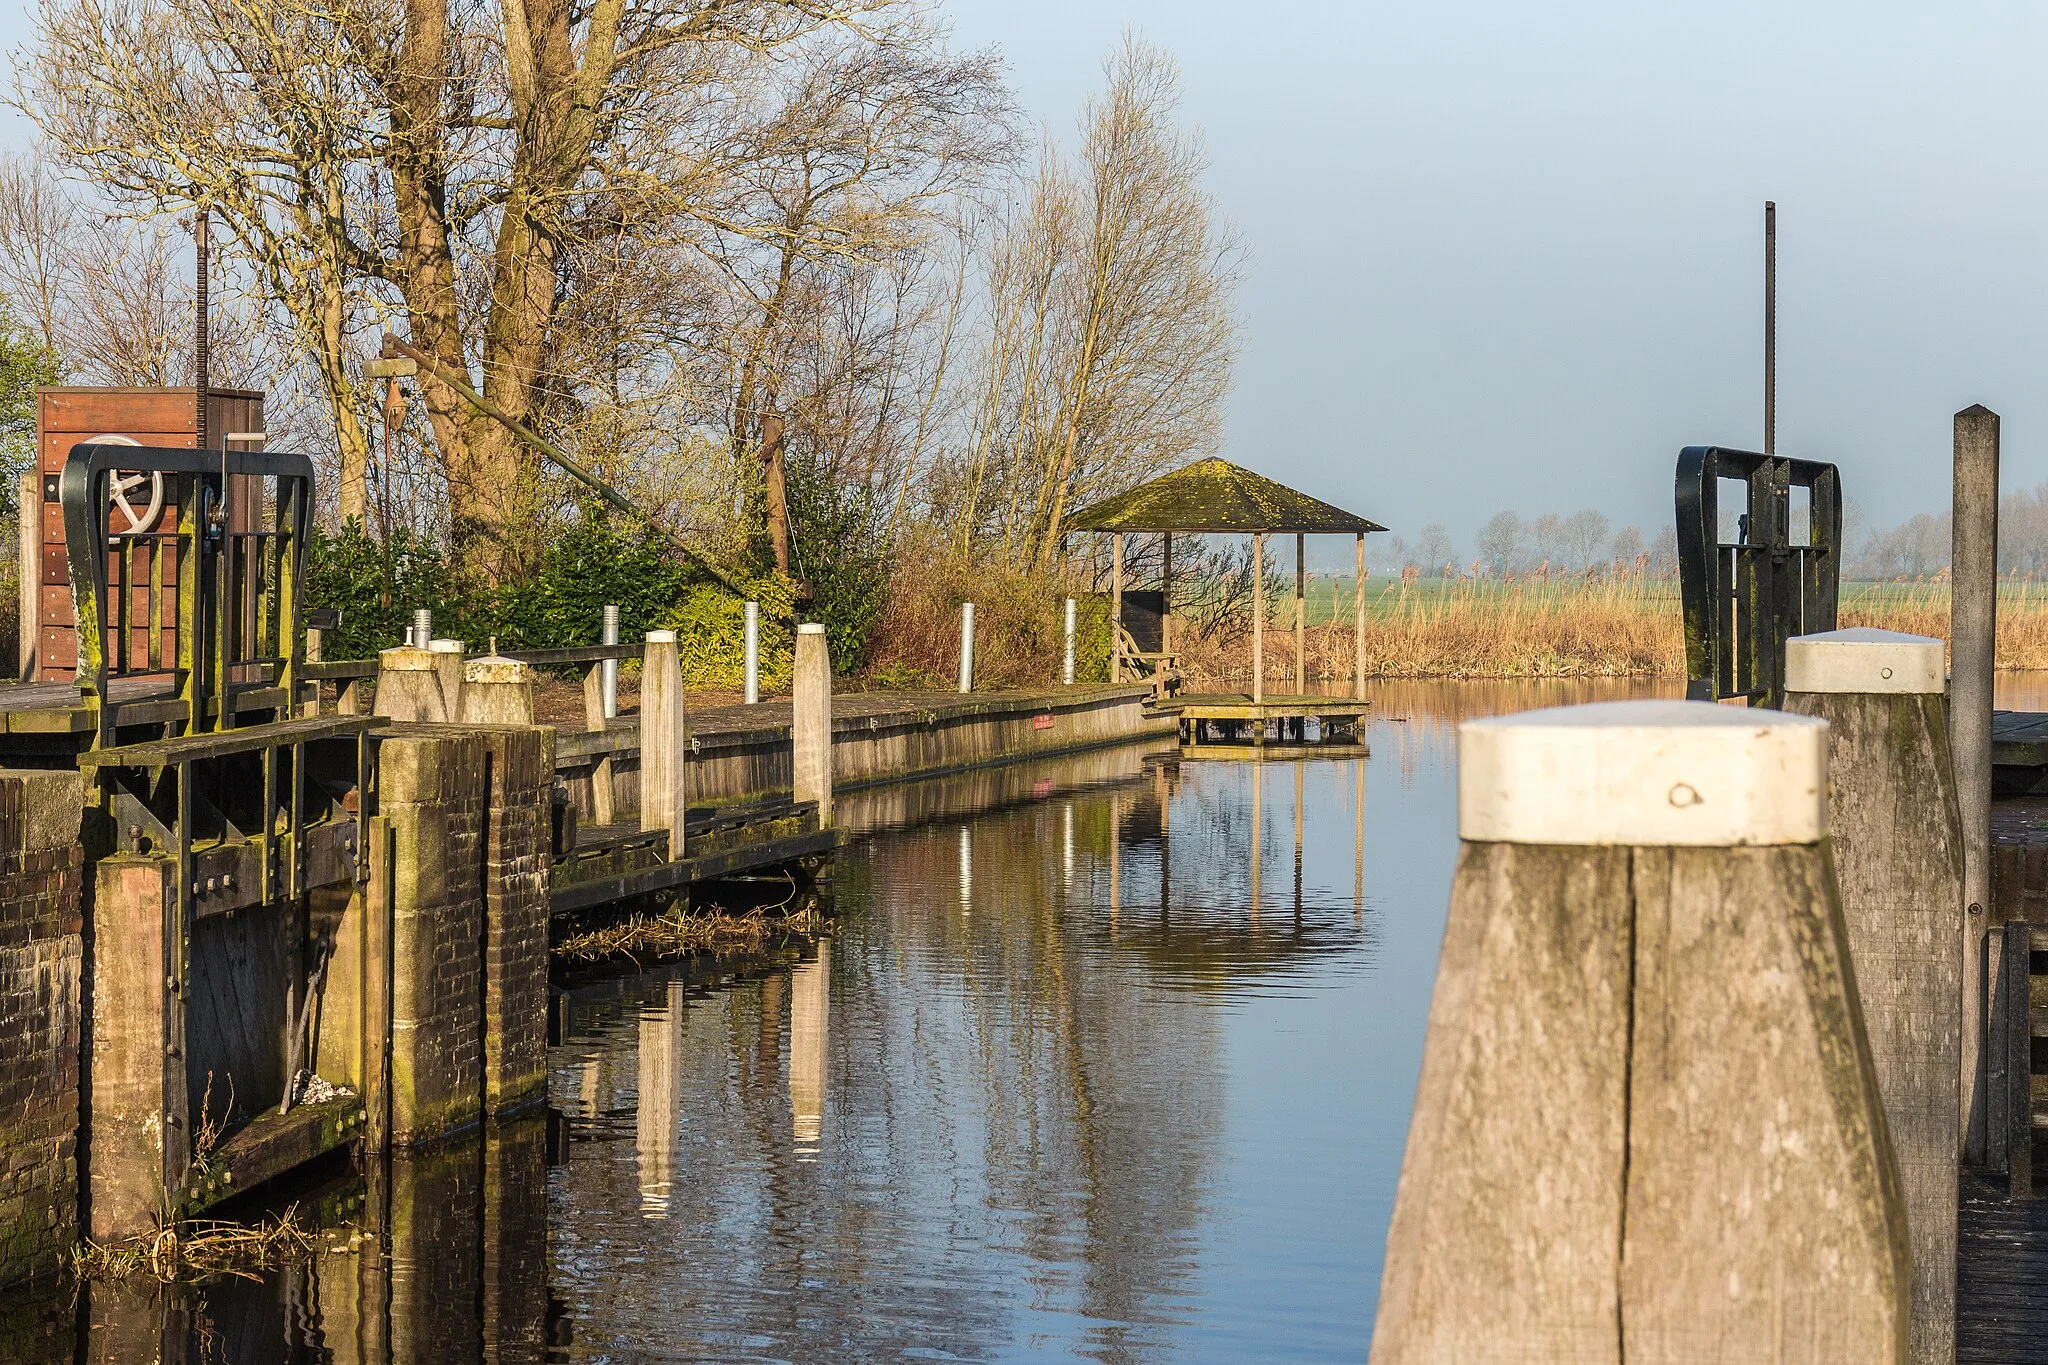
[
  {"x": 1536, "y": 625},
  {"x": 1020, "y": 627},
  {"x": 1546, "y": 625}
]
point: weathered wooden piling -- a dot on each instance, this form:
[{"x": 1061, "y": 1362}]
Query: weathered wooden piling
[
  {"x": 1648, "y": 1127},
  {"x": 1973, "y": 631},
  {"x": 1897, "y": 845},
  {"x": 664, "y": 739},
  {"x": 409, "y": 685},
  {"x": 810, "y": 728}
]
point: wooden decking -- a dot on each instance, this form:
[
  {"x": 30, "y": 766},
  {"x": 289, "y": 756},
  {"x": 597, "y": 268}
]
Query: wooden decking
[{"x": 2001, "y": 1276}]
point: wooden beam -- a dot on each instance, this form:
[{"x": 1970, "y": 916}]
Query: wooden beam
[
  {"x": 1358, "y": 629},
  {"x": 1258, "y": 617},
  {"x": 1116, "y": 607},
  {"x": 1300, "y": 616}
]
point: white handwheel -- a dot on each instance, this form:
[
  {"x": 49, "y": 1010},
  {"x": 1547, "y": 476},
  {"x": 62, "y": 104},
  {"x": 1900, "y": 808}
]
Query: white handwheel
[{"x": 124, "y": 482}]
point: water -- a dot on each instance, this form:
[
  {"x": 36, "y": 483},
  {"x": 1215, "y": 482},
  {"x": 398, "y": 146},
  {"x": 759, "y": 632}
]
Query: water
[{"x": 1107, "y": 1059}]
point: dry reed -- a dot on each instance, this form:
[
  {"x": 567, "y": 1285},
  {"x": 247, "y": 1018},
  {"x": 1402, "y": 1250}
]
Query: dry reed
[
  {"x": 678, "y": 933},
  {"x": 196, "y": 1251}
]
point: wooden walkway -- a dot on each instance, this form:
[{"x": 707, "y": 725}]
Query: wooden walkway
[{"x": 2001, "y": 1276}]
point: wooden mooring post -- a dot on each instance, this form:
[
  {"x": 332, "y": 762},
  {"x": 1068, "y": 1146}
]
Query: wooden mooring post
[
  {"x": 811, "y": 720},
  {"x": 1648, "y": 1127},
  {"x": 1973, "y": 633},
  {"x": 1897, "y": 841}
]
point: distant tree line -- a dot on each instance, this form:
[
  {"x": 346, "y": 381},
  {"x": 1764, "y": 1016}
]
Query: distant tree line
[{"x": 1510, "y": 544}]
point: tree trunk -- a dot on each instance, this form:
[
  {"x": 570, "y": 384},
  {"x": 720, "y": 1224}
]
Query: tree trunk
[{"x": 777, "y": 489}]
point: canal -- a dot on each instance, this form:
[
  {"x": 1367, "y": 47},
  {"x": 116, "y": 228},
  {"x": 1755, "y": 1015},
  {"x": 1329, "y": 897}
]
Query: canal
[{"x": 1107, "y": 1058}]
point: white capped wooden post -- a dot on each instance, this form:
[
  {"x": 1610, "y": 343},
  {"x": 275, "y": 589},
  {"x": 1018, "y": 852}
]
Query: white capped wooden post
[
  {"x": 1647, "y": 1128},
  {"x": 1893, "y": 823},
  {"x": 811, "y": 720},
  {"x": 967, "y": 646},
  {"x": 664, "y": 740},
  {"x": 753, "y": 654},
  {"x": 1067, "y": 668}
]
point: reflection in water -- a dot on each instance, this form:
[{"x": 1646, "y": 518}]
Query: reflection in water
[
  {"x": 810, "y": 995},
  {"x": 1108, "y": 1057},
  {"x": 660, "y": 1098}
]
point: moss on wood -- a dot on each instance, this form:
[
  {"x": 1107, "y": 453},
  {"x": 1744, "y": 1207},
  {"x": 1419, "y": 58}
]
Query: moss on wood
[{"x": 1216, "y": 495}]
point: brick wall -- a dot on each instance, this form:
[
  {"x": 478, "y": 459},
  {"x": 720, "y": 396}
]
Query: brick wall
[
  {"x": 41, "y": 874},
  {"x": 431, "y": 785},
  {"x": 515, "y": 947}
]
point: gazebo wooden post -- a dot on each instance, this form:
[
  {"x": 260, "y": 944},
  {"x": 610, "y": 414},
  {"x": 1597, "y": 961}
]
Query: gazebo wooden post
[
  {"x": 1166, "y": 595},
  {"x": 1116, "y": 607},
  {"x": 1258, "y": 617},
  {"x": 1300, "y": 618},
  {"x": 1358, "y": 629}
]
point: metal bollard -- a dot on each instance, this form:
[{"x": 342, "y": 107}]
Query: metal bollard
[
  {"x": 1067, "y": 672},
  {"x": 608, "y": 671},
  {"x": 753, "y": 653},
  {"x": 422, "y": 628},
  {"x": 967, "y": 646}
]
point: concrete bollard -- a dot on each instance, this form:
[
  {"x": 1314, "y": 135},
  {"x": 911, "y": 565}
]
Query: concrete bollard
[
  {"x": 448, "y": 665},
  {"x": 409, "y": 685},
  {"x": 810, "y": 730},
  {"x": 497, "y": 691},
  {"x": 664, "y": 740},
  {"x": 1647, "y": 1127},
  {"x": 753, "y": 653},
  {"x": 1067, "y": 669},
  {"x": 967, "y": 646},
  {"x": 1898, "y": 860}
]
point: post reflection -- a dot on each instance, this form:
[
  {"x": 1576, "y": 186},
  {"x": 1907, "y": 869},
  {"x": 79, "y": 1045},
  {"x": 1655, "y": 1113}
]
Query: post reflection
[
  {"x": 809, "y": 1007},
  {"x": 655, "y": 1114}
]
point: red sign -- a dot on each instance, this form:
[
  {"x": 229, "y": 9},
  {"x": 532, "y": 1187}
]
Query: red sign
[{"x": 1043, "y": 722}]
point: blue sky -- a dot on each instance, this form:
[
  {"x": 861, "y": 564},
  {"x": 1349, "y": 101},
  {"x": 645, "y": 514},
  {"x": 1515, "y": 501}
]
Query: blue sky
[{"x": 1509, "y": 255}]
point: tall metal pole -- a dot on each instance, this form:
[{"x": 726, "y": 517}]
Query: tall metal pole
[
  {"x": 1770, "y": 327},
  {"x": 202, "y": 358},
  {"x": 1067, "y": 668},
  {"x": 1973, "y": 641}
]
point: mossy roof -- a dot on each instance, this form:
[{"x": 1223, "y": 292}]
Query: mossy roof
[{"x": 1216, "y": 495}]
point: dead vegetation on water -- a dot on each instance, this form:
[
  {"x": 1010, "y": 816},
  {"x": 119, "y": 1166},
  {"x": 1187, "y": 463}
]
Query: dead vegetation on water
[
  {"x": 197, "y": 1251},
  {"x": 678, "y": 933}
]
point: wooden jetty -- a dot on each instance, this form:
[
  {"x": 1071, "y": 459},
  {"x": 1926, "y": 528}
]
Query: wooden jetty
[{"x": 1216, "y": 497}]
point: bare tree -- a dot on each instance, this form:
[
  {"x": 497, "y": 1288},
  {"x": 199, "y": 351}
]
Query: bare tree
[{"x": 1110, "y": 334}]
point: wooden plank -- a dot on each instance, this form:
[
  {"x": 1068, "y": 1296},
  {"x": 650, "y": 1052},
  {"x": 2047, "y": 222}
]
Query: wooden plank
[{"x": 163, "y": 752}]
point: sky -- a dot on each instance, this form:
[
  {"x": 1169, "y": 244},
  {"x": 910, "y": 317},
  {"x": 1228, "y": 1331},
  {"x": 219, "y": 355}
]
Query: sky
[{"x": 1509, "y": 256}]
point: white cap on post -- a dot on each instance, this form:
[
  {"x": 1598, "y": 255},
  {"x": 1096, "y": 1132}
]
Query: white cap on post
[
  {"x": 1649, "y": 773},
  {"x": 660, "y": 637},
  {"x": 1863, "y": 659},
  {"x": 811, "y": 628}
]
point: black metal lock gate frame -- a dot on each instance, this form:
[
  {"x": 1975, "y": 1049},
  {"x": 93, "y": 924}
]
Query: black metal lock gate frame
[{"x": 1744, "y": 601}]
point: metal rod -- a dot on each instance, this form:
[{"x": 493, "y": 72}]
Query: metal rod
[
  {"x": 753, "y": 650},
  {"x": 1770, "y": 327},
  {"x": 608, "y": 671}
]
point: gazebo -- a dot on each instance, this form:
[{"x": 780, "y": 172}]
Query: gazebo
[{"x": 1216, "y": 497}]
